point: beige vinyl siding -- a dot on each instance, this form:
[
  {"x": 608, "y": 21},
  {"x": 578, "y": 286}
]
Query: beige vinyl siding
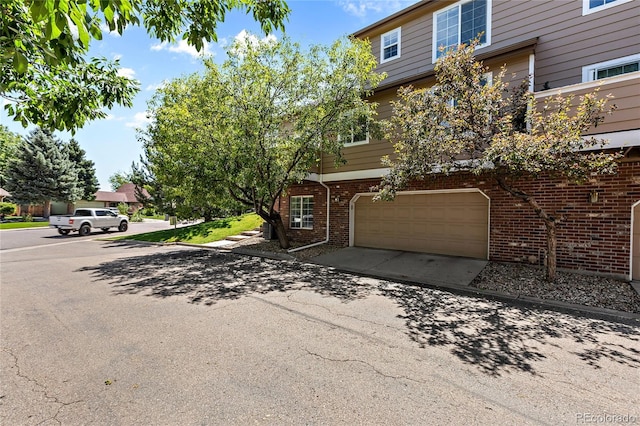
[
  {"x": 567, "y": 40},
  {"x": 367, "y": 156},
  {"x": 626, "y": 98}
]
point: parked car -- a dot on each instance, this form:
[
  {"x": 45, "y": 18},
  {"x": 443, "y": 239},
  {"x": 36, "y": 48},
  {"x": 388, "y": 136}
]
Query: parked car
[{"x": 82, "y": 220}]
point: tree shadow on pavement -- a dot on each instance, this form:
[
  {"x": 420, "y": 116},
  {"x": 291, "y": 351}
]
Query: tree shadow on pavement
[
  {"x": 206, "y": 277},
  {"x": 494, "y": 336},
  {"x": 498, "y": 337}
]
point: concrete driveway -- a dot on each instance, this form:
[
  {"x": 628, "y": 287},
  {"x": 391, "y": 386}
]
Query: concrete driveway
[{"x": 423, "y": 268}]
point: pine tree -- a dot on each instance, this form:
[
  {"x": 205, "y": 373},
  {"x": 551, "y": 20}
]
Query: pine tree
[
  {"x": 9, "y": 143},
  {"x": 87, "y": 180},
  {"x": 41, "y": 172}
]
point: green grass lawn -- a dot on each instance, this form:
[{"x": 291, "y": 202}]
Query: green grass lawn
[
  {"x": 201, "y": 233},
  {"x": 20, "y": 225}
]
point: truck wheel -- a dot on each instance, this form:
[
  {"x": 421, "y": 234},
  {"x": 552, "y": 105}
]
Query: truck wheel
[
  {"x": 84, "y": 230},
  {"x": 63, "y": 231},
  {"x": 123, "y": 226},
  {"x": 105, "y": 229}
]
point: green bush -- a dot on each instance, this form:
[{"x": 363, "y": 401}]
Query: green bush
[
  {"x": 136, "y": 217},
  {"x": 123, "y": 208},
  {"x": 27, "y": 218},
  {"x": 7, "y": 209}
]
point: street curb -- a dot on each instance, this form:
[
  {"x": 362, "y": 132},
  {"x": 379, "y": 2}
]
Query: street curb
[{"x": 256, "y": 253}]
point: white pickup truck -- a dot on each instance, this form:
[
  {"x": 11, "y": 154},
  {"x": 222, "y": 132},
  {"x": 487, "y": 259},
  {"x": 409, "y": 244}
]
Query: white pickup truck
[{"x": 82, "y": 220}]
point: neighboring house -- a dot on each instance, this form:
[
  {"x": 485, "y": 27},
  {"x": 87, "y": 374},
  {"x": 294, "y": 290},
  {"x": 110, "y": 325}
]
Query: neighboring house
[
  {"x": 570, "y": 47},
  {"x": 3, "y": 194},
  {"x": 124, "y": 195}
]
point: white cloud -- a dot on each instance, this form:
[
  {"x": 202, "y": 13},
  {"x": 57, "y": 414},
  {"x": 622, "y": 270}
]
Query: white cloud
[
  {"x": 140, "y": 119},
  {"x": 244, "y": 39},
  {"x": 360, "y": 8},
  {"x": 183, "y": 47},
  {"x": 154, "y": 87},
  {"x": 110, "y": 117},
  {"x": 126, "y": 72},
  {"x": 105, "y": 30}
]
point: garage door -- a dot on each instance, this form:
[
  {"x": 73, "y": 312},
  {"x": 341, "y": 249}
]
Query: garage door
[
  {"x": 452, "y": 223},
  {"x": 635, "y": 261},
  {"x": 89, "y": 204}
]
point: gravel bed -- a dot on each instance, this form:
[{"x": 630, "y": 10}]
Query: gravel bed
[
  {"x": 525, "y": 280},
  {"x": 511, "y": 278}
]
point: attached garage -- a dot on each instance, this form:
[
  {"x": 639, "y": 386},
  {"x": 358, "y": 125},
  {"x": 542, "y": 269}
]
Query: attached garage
[
  {"x": 454, "y": 223},
  {"x": 635, "y": 242},
  {"x": 89, "y": 204}
]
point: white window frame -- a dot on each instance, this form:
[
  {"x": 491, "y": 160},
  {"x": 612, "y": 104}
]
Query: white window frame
[
  {"x": 351, "y": 142},
  {"x": 587, "y": 9},
  {"x": 301, "y": 212},
  {"x": 589, "y": 72},
  {"x": 382, "y": 46},
  {"x": 434, "y": 50}
]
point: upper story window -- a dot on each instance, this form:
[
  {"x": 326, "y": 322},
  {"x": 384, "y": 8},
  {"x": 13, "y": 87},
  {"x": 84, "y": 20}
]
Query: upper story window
[
  {"x": 591, "y": 6},
  {"x": 359, "y": 134},
  {"x": 461, "y": 23},
  {"x": 611, "y": 68},
  {"x": 390, "y": 45}
]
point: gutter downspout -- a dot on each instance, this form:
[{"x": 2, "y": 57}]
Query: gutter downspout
[{"x": 326, "y": 240}]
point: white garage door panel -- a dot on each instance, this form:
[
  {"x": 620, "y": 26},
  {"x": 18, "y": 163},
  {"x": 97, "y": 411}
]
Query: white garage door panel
[{"x": 444, "y": 223}]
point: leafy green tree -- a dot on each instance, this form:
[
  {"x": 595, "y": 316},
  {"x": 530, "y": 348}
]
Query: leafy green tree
[
  {"x": 42, "y": 172},
  {"x": 43, "y": 69},
  {"x": 464, "y": 124},
  {"x": 119, "y": 178},
  {"x": 257, "y": 124},
  {"x": 9, "y": 143},
  {"x": 87, "y": 180}
]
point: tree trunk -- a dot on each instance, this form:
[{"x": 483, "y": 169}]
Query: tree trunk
[
  {"x": 274, "y": 219},
  {"x": 552, "y": 243},
  {"x": 283, "y": 238},
  {"x": 46, "y": 212},
  {"x": 550, "y": 223}
]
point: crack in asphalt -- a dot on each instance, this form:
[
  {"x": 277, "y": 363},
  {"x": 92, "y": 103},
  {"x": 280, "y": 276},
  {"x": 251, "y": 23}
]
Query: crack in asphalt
[
  {"x": 53, "y": 399},
  {"x": 338, "y": 314},
  {"x": 359, "y": 361}
]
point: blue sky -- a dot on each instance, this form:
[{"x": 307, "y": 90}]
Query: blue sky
[{"x": 112, "y": 143}]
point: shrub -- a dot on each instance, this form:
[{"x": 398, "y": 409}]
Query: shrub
[
  {"x": 7, "y": 209},
  {"x": 123, "y": 208}
]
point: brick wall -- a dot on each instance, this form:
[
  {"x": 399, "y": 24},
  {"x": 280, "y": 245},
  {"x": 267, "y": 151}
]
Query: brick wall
[{"x": 594, "y": 237}]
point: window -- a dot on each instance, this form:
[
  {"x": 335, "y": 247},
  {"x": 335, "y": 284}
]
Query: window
[
  {"x": 461, "y": 23},
  {"x": 390, "y": 45},
  {"x": 611, "y": 68},
  {"x": 591, "y": 6},
  {"x": 101, "y": 213},
  {"x": 302, "y": 212},
  {"x": 359, "y": 134}
]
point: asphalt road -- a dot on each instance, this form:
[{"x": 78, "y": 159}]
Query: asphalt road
[
  {"x": 111, "y": 333},
  {"x": 29, "y": 237}
]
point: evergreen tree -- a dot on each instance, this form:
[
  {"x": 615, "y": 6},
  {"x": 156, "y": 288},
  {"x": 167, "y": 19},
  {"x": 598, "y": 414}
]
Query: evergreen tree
[
  {"x": 87, "y": 180},
  {"x": 41, "y": 172},
  {"x": 9, "y": 143}
]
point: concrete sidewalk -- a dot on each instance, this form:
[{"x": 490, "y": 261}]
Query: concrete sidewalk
[{"x": 447, "y": 271}]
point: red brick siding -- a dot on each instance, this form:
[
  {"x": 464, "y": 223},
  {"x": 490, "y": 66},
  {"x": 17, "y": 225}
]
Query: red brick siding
[
  {"x": 594, "y": 236},
  {"x": 319, "y": 231}
]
